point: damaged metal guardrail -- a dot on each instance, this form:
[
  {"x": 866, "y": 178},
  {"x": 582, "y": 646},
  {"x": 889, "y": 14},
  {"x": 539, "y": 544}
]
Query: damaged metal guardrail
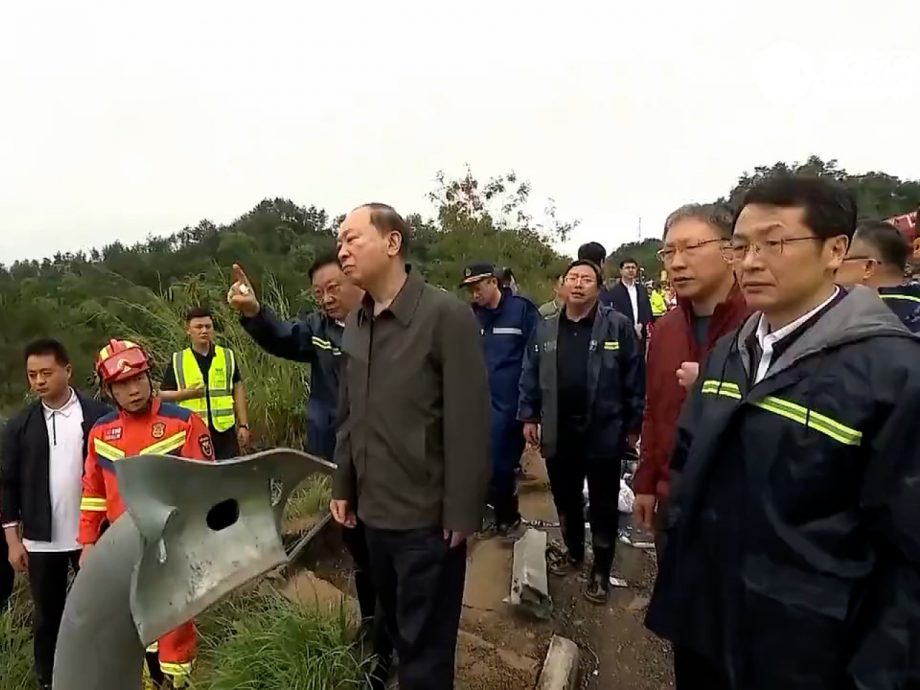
[{"x": 193, "y": 532}]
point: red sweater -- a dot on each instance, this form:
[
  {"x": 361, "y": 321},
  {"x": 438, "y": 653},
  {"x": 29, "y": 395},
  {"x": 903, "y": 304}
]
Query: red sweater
[{"x": 671, "y": 344}]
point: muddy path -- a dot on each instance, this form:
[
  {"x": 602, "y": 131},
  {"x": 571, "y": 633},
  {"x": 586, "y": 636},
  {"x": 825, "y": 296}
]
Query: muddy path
[{"x": 500, "y": 648}]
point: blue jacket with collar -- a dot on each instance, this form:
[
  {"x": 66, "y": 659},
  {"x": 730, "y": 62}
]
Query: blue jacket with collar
[{"x": 506, "y": 332}]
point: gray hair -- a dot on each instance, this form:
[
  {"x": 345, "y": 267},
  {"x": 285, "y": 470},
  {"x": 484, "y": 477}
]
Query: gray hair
[{"x": 717, "y": 216}]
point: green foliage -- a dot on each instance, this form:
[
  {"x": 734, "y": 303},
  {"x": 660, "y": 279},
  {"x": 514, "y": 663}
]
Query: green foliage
[
  {"x": 263, "y": 641},
  {"x": 142, "y": 291},
  {"x": 878, "y": 195},
  {"x": 309, "y": 499}
]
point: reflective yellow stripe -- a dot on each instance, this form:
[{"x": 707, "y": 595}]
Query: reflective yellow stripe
[
  {"x": 95, "y": 505},
  {"x": 167, "y": 444},
  {"x": 106, "y": 451},
  {"x": 611, "y": 344},
  {"x": 154, "y": 648},
  {"x": 172, "y": 669},
  {"x": 811, "y": 419},
  {"x": 723, "y": 388},
  {"x": 320, "y": 343},
  {"x": 910, "y": 298}
]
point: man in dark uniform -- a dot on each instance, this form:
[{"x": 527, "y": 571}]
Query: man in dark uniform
[
  {"x": 582, "y": 394},
  {"x": 792, "y": 559},
  {"x": 507, "y": 323}
]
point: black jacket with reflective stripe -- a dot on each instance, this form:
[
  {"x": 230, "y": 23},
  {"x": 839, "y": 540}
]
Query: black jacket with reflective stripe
[{"x": 793, "y": 559}]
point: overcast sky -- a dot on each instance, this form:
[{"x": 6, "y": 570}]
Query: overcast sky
[{"x": 120, "y": 119}]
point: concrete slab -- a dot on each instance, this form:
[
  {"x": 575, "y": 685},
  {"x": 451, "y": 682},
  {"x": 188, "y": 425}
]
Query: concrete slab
[
  {"x": 560, "y": 668},
  {"x": 529, "y": 580}
]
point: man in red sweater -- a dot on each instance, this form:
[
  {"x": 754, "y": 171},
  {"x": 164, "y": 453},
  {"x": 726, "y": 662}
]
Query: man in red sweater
[{"x": 710, "y": 305}]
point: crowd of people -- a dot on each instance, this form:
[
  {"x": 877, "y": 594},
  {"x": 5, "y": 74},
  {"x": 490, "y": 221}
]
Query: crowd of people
[{"x": 773, "y": 393}]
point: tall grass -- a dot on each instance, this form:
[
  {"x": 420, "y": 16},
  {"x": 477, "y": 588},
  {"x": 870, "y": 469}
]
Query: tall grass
[
  {"x": 276, "y": 389},
  {"x": 265, "y": 642},
  {"x": 309, "y": 499},
  {"x": 16, "y": 671}
]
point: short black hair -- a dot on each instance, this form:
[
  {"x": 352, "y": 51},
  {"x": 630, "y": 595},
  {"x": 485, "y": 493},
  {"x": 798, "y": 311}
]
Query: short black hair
[
  {"x": 48, "y": 346},
  {"x": 830, "y": 208},
  {"x": 629, "y": 260},
  {"x": 326, "y": 258},
  {"x": 593, "y": 252},
  {"x": 385, "y": 218},
  {"x": 590, "y": 264},
  {"x": 198, "y": 312},
  {"x": 887, "y": 240}
]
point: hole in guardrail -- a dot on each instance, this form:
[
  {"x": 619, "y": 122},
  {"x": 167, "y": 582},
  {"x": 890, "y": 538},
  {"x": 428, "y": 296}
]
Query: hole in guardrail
[{"x": 223, "y": 514}]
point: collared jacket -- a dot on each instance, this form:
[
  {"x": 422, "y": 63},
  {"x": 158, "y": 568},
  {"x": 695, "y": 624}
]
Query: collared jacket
[
  {"x": 671, "y": 344},
  {"x": 793, "y": 549},
  {"x": 164, "y": 429},
  {"x": 617, "y": 296},
  {"x": 616, "y": 384},
  {"x": 317, "y": 340},
  {"x": 25, "y": 495},
  {"x": 413, "y": 446},
  {"x": 904, "y": 301}
]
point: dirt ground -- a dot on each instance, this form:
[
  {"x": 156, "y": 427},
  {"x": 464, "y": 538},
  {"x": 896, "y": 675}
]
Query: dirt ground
[{"x": 502, "y": 649}]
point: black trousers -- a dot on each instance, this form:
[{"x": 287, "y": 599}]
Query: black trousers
[
  {"x": 48, "y": 580},
  {"x": 567, "y": 473},
  {"x": 6, "y": 574},
  {"x": 226, "y": 444},
  {"x": 694, "y": 672},
  {"x": 371, "y": 613},
  {"x": 419, "y": 582}
]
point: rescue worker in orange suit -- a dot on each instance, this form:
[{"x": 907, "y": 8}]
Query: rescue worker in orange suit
[{"x": 141, "y": 425}]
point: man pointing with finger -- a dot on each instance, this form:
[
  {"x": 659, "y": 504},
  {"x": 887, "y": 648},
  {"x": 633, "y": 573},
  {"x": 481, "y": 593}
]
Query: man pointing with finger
[{"x": 412, "y": 448}]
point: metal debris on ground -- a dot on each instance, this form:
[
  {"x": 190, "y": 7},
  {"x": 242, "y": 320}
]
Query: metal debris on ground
[{"x": 529, "y": 581}]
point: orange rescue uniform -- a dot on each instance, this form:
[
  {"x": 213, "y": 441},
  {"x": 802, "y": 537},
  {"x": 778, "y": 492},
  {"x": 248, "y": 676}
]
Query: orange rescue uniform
[{"x": 165, "y": 429}]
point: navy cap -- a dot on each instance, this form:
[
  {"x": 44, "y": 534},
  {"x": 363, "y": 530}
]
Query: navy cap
[{"x": 476, "y": 271}]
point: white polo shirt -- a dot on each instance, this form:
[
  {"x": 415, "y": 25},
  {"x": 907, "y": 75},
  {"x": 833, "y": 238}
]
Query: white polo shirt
[{"x": 65, "y": 476}]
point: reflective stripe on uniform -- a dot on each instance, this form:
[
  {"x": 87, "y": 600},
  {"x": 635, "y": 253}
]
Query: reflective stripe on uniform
[
  {"x": 611, "y": 344},
  {"x": 811, "y": 419},
  {"x": 154, "y": 648},
  {"x": 724, "y": 388},
  {"x": 173, "y": 669},
  {"x": 95, "y": 505},
  {"x": 325, "y": 345},
  {"x": 791, "y": 411},
  {"x": 167, "y": 444},
  {"x": 909, "y": 298},
  {"x": 106, "y": 451},
  {"x": 507, "y": 331}
]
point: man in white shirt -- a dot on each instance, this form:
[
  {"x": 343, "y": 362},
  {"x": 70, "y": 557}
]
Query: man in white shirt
[{"x": 44, "y": 448}]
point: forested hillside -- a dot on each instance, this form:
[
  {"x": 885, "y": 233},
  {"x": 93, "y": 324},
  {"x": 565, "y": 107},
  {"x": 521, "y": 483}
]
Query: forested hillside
[{"x": 141, "y": 291}]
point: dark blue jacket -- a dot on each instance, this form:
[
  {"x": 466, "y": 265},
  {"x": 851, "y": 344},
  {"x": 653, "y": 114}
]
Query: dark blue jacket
[
  {"x": 904, "y": 301},
  {"x": 506, "y": 331},
  {"x": 616, "y": 384},
  {"x": 317, "y": 340}
]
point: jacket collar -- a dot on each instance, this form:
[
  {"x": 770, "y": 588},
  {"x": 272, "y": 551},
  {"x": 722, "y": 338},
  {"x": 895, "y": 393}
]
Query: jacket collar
[{"x": 404, "y": 304}]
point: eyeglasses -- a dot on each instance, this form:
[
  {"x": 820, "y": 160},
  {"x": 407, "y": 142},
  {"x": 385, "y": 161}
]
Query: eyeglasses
[
  {"x": 768, "y": 249},
  {"x": 667, "y": 254}
]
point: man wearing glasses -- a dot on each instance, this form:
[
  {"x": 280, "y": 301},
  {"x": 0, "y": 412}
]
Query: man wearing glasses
[
  {"x": 878, "y": 259},
  {"x": 792, "y": 558},
  {"x": 710, "y": 305}
]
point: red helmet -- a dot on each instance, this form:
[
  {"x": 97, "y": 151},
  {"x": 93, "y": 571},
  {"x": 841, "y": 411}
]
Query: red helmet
[{"x": 121, "y": 360}]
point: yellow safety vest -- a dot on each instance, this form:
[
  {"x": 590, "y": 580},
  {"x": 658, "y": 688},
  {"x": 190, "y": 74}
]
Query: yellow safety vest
[
  {"x": 219, "y": 387},
  {"x": 659, "y": 303}
]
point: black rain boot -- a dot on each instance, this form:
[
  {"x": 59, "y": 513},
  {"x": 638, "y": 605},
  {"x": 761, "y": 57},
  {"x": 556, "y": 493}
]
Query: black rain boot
[{"x": 599, "y": 584}]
